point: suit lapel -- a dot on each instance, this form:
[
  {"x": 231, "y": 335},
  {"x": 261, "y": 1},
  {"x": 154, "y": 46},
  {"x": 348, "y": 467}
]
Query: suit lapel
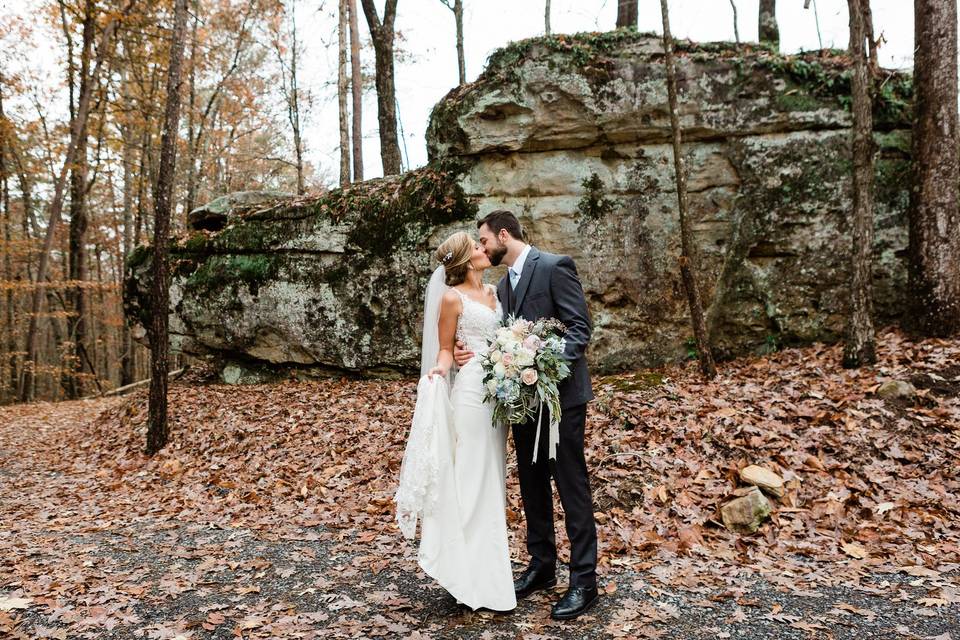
[
  {"x": 526, "y": 276},
  {"x": 503, "y": 291}
]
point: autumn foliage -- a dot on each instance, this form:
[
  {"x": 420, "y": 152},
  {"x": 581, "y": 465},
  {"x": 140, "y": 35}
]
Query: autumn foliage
[{"x": 872, "y": 485}]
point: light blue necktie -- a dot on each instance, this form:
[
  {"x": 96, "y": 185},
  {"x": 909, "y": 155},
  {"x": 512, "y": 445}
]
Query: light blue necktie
[{"x": 514, "y": 277}]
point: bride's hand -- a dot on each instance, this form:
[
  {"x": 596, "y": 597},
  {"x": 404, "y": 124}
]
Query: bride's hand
[
  {"x": 461, "y": 355},
  {"x": 437, "y": 371}
]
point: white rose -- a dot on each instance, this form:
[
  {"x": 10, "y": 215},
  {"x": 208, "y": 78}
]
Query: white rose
[
  {"x": 524, "y": 358},
  {"x": 495, "y": 356},
  {"x": 499, "y": 370}
]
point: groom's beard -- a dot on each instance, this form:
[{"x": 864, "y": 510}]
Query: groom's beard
[{"x": 496, "y": 255}]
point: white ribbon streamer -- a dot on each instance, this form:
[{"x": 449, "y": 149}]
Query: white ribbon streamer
[{"x": 554, "y": 435}]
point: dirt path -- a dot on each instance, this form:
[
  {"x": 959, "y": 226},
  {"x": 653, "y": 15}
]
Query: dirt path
[{"x": 192, "y": 564}]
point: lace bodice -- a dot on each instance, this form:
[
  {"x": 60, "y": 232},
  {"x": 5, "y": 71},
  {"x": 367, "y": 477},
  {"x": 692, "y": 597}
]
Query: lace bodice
[{"x": 478, "y": 323}]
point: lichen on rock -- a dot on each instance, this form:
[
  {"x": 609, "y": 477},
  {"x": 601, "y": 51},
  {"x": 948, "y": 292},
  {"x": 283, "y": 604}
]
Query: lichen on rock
[{"x": 332, "y": 281}]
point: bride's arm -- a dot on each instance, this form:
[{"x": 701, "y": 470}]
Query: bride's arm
[{"x": 450, "y": 308}]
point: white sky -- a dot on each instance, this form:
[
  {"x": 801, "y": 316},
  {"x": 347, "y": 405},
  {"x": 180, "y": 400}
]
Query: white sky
[{"x": 429, "y": 69}]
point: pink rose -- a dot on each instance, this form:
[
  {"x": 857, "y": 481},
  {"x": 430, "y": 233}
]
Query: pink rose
[
  {"x": 529, "y": 376},
  {"x": 507, "y": 359},
  {"x": 532, "y": 343}
]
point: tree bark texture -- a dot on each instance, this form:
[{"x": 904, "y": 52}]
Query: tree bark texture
[
  {"x": 934, "y": 222},
  {"x": 356, "y": 89},
  {"x": 157, "y": 427},
  {"x": 860, "y": 342},
  {"x": 687, "y": 259},
  {"x": 382, "y": 34},
  {"x": 627, "y": 15},
  {"x": 767, "y": 23},
  {"x": 342, "y": 88}
]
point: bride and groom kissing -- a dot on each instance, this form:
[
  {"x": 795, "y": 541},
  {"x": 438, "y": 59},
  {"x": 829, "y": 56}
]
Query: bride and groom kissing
[{"x": 454, "y": 467}]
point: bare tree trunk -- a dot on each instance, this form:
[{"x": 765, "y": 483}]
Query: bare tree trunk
[
  {"x": 382, "y": 34},
  {"x": 816, "y": 22},
  {"x": 687, "y": 258},
  {"x": 627, "y": 15},
  {"x": 56, "y": 206},
  {"x": 127, "y": 347},
  {"x": 356, "y": 86},
  {"x": 191, "y": 112},
  {"x": 461, "y": 59},
  {"x": 294, "y": 111},
  {"x": 769, "y": 31},
  {"x": 76, "y": 324},
  {"x": 546, "y": 17},
  {"x": 157, "y": 428},
  {"x": 736, "y": 29},
  {"x": 9, "y": 383},
  {"x": 342, "y": 93},
  {"x": 860, "y": 343},
  {"x": 456, "y": 6},
  {"x": 934, "y": 247}
]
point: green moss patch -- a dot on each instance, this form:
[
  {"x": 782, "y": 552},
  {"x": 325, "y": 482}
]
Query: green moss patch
[{"x": 379, "y": 215}]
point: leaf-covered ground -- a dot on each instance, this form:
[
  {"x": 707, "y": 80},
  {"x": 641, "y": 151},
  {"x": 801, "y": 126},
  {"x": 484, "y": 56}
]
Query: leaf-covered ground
[{"x": 269, "y": 514}]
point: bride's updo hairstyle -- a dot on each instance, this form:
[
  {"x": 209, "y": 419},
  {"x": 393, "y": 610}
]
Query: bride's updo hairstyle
[{"x": 454, "y": 254}]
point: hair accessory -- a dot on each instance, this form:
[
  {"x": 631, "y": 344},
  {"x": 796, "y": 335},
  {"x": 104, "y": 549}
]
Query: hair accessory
[{"x": 447, "y": 257}]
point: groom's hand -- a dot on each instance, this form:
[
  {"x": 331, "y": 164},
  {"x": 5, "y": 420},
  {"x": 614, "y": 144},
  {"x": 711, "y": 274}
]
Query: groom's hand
[{"x": 460, "y": 354}]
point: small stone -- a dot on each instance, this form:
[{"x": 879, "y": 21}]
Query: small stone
[
  {"x": 231, "y": 374},
  {"x": 763, "y": 478},
  {"x": 744, "y": 515},
  {"x": 897, "y": 390}
]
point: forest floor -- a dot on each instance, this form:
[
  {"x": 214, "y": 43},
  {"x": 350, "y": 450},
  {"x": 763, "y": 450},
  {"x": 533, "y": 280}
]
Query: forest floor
[{"x": 269, "y": 514}]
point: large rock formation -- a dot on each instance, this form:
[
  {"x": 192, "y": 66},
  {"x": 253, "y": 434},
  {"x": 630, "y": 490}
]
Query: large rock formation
[
  {"x": 572, "y": 133},
  {"x": 332, "y": 281}
]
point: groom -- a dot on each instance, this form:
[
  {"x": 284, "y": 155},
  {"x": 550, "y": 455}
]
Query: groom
[{"x": 544, "y": 285}]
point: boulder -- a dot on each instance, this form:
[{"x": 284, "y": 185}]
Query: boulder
[
  {"x": 572, "y": 134},
  {"x": 747, "y": 513}
]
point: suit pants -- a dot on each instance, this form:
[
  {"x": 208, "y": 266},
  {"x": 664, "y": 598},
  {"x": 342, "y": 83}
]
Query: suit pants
[{"x": 569, "y": 472}]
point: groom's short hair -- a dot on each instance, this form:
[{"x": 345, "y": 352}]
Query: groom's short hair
[{"x": 502, "y": 219}]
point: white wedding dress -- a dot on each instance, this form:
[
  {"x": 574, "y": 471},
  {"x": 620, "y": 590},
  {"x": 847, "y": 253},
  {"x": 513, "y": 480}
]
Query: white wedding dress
[{"x": 459, "y": 457}]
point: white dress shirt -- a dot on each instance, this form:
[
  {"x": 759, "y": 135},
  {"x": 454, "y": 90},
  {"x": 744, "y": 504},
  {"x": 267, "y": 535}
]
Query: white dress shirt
[{"x": 517, "y": 269}]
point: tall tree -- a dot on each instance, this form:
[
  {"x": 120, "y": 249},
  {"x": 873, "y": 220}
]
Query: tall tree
[
  {"x": 77, "y": 124},
  {"x": 934, "y": 221},
  {"x": 767, "y": 23},
  {"x": 356, "y": 87},
  {"x": 456, "y": 6},
  {"x": 687, "y": 258},
  {"x": 10, "y": 342},
  {"x": 382, "y": 35},
  {"x": 627, "y": 15},
  {"x": 342, "y": 88},
  {"x": 291, "y": 88},
  {"x": 860, "y": 345},
  {"x": 127, "y": 346},
  {"x": 76, "y": 321},
  {"x": 736, "y": 29},
  {"x": 157, "y": 428}
]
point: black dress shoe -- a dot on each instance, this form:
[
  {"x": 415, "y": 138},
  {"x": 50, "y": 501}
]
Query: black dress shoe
[
  {"x": 574, "y": 602},
  {"x": 534, "y": 578}
]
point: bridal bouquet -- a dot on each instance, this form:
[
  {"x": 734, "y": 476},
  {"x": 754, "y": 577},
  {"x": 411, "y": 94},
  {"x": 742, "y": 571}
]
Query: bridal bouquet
[{"x": 522, "y": 368}]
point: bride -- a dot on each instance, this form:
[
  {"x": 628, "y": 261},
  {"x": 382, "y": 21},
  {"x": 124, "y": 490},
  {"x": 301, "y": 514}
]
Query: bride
[{"x": 454, "y": 467}]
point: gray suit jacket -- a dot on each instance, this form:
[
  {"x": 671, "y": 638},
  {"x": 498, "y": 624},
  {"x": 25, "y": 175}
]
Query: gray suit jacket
[{"x": 549, "y": 288}]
